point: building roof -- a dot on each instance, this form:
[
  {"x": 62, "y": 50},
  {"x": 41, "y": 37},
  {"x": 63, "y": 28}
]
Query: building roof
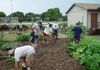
[{"x": 87, "y": 6}]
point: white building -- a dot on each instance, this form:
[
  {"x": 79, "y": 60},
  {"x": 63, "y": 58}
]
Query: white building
[{"x": 87, "y": 13}]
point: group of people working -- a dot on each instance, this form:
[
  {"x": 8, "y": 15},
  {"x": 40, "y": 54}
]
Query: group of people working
[
  {"x": 38, "y": 29},
  {"x": 24, "y": 54}
]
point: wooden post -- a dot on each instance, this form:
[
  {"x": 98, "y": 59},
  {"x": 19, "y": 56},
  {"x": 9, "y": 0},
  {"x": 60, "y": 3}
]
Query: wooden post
[{"x": 2, "y": 36}]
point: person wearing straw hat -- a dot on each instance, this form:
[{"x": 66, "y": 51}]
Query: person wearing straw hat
[
  {"x": 23, "y": 54},
  {"x": 55, "y": 28}
]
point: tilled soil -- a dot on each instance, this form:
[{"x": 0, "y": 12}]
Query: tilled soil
[
  {"x": 51, "y": 56},
  {"x": 54, "y": 57}
]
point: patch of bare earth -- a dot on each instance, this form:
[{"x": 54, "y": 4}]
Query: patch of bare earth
[{"x": 54, "y": 57}]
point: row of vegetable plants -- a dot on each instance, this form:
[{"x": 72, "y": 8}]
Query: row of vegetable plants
[
  {"x": 87, "y": 51},
  {"x": 5, "y": 46}
]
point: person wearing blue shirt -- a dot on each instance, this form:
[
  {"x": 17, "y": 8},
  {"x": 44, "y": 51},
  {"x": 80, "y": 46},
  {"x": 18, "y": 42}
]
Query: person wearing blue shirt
[{"x": 77, "y": 30}]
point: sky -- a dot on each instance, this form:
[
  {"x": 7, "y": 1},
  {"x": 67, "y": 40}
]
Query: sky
[{"x": 39, "y": 6}]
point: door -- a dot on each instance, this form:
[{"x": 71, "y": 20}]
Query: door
[{"x": 94, "y": 20}]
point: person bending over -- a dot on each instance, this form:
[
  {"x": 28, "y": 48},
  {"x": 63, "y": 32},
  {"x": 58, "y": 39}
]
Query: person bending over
[{"x": 23, "y": 54}]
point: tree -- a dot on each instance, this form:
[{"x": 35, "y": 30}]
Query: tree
[
  {"x": 64, "y": 18},
  {"x": 18, "y": 14},
  {"x": 57, "y": 13},
  {"x": 52, "y": 14},
  {"x": 36, "y": 15},
  {"x": 29, "y": 15},
  {"x": 2, "y": 14},
  {"x": 43, "y": 15}
]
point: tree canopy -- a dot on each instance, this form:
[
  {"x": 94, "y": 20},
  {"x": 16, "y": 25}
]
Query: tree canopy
[
  {"x": 53, "y": 13},
  {"x": 50, "y": 14},
  {"x": 29, "y": 15},
  {"x": 64, "y": 18},
  {"x": 2, "y": 14},
  {"x": 17, "y": 14}
]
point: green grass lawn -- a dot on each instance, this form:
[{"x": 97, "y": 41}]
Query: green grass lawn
[
  {"x": 97, "y": 37},
  {"x": 12, "y": 36},
  {"x": 9, "y": 37}
]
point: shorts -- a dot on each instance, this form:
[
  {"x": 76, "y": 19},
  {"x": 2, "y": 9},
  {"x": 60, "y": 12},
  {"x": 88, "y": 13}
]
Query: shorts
[
  {"x": 44, "y": 34},
  {"x": 36, "y": 37},
  {"x": 77, "y": 37}
]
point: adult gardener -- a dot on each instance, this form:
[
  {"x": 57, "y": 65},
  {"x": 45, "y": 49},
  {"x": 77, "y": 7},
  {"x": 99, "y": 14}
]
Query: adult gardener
[
  {"x": 23, "y": 54},
  {"x": 77, "y": 32}
]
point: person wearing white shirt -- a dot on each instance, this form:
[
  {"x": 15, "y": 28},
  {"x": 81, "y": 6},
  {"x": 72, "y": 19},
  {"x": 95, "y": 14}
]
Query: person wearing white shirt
[
  {"x": 23, "y": 54},
  {"x": 47, "y": 31},
  {"x": 55, "y": 28}
]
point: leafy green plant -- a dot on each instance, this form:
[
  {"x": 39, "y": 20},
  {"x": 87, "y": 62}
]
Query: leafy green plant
[
  {"x": 41, "y": 38},
  {"x": 87, "y": 52},
  {"x": 10, "y": 59},
  {"x": 13, "y": 46},
  {"x": 84, "y": 28},
  {"x": 1, "y": 42},
  {"x": 23, "y": 37},
  {"x": 70, "y": 33}
]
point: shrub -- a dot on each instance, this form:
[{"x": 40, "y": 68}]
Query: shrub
[
  {"x": 1, "y": 42},
  {"x": 84, "y": 28},
  {"x": 23, "y": 37},
  {"x": 41, "y": 38},
  {"x": 87, "y": 52},
  {"x": 70, "y": 33},
  {"x": 10, "y": 59},
  {"x": 13, "y": 46}
]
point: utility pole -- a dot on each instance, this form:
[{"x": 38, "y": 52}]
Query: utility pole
[{"x": 11, "y": 17}]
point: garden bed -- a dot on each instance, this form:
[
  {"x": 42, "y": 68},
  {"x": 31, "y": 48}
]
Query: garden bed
[
  {"x": 5, "y": 64},
  {"x": 51, "y": 56}
]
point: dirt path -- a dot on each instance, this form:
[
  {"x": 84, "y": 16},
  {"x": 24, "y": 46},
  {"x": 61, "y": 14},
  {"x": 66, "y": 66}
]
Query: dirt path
[{"x": 54, "y": 57}]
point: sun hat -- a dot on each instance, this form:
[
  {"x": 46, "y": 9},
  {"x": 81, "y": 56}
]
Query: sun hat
[{"x": 10, "y": 51}]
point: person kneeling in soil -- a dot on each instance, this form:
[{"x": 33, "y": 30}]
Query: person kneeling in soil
[{"x": 24, "y": 55}]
